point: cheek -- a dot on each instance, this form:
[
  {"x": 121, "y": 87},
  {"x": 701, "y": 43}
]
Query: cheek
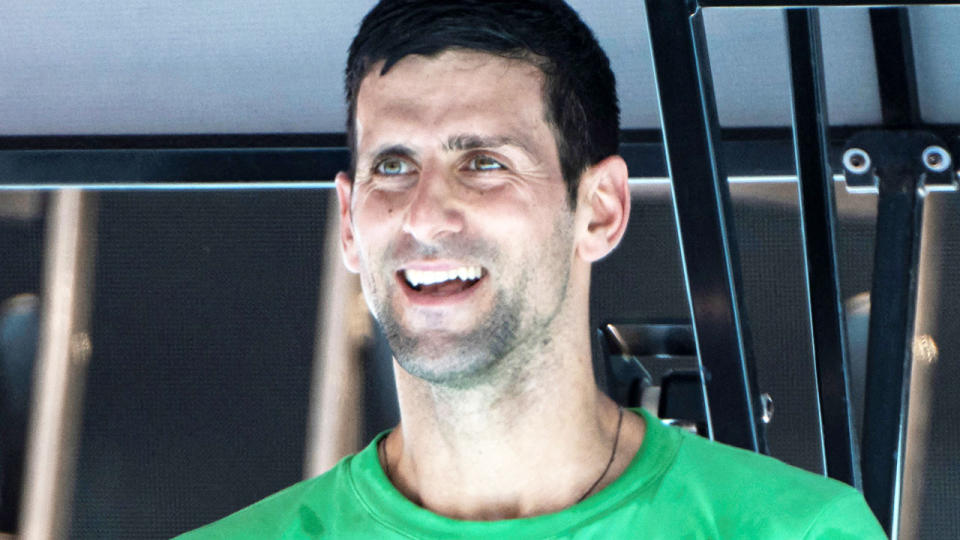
[
  {"x": 375, "y": 227},
  {"x": 371, "y": 209},
  {"x": 534, "y": 239},
  {"x": 375, "y": 206}
]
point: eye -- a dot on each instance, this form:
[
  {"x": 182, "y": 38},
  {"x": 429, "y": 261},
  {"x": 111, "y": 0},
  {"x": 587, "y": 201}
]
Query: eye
[
  {"x": 392, "y": 167},
  {"x": 484, "y": 164}
]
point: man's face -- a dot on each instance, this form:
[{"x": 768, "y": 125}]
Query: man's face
[{"x": 457, "y": 218}]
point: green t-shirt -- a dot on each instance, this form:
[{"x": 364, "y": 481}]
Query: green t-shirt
[{"x": 678, "y": 485}]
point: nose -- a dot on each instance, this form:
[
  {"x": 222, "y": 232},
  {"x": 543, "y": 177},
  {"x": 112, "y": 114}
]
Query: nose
[{"x": 433, "y": 209}]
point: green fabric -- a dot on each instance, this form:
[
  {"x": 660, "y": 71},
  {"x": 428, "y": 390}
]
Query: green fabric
[{"x": 678, "y": 485}]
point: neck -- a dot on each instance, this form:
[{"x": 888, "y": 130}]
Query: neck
[{"x": 534, "y": 444}]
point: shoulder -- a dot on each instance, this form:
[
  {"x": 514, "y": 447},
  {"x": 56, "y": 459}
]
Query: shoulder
[
  {"x": 294, "y": 507},
  {"x": 744, "y": 491},
  {"x": 741, "y": 469}
]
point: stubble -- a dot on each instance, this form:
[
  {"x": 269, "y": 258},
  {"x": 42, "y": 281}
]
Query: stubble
[{"x": 500, "y": 344}]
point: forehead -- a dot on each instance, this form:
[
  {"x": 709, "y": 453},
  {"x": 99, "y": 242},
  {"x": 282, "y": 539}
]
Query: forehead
[{"x": 454, "y": 91}]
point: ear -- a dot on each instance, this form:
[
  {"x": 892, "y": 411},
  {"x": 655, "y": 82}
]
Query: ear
[
  {"x": 348, "y": 247},
  {"x": 603, "y": 202}
]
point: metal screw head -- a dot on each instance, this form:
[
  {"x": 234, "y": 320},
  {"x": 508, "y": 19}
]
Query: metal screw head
[
  {"x": 936, "y": 159},
  {"x": 856, "y": 160}
]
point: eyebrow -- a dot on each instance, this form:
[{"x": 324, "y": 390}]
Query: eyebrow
[
  {"x": 472, "y": 142},
  {"x": 394, "y": 150},
  {"x": 462, "y": 142}
]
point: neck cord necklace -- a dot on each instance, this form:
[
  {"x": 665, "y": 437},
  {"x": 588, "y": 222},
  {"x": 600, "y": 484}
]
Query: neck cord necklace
[
  {"x": 613, "y": 453},
  {"x": 382, "y": 454}
]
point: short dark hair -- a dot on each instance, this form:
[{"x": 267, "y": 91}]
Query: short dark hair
[{"x": 580, "y": 94}]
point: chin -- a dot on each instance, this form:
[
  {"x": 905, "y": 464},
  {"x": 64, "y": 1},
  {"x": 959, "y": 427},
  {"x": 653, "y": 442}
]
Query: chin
[
  {"x": 443, "y": 364},
  {"x": 453, "y": 358}
]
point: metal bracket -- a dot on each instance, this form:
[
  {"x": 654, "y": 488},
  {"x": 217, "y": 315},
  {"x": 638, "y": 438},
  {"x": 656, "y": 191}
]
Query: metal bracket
[
  {"x": 901, "y": 166},
  {"x": 900, "y": 159}
]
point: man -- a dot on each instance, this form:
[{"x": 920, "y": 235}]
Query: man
[{"x": 484, "y": 183}]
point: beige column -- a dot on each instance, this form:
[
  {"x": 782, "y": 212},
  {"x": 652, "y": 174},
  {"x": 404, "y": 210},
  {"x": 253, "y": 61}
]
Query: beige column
[
  {"x": 344, "y": 328},
  {"x": 62, "y": 355}
]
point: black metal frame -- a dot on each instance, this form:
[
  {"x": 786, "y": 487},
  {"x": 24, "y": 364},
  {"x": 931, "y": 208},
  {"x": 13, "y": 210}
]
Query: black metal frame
[
  {"x": 902, "y": 178},
  {"x": 896, "y": 76},
  {"x": 705, "y": 223},
  {"x": 818, "y": 215},
  {"x": 171, "y": 159},
  {"x": 102, "y": 161},
  {"x": 687, "y": 107}
]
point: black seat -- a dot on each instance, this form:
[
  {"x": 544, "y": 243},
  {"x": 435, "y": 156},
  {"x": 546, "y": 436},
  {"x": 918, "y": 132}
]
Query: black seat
[
  {"x": 654, "y": 365},
  {"x": 19, "y": 320}
]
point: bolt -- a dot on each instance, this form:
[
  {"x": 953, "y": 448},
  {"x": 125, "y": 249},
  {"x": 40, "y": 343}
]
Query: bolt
[
  {"x": 936, "y": 159},
  {"x": 766, "y": 408},
  {"x": 856, "y": 160}
]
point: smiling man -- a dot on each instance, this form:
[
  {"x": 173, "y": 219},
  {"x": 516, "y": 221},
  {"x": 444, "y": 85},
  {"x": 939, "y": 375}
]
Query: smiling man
[{"x": 484, "y": 183}]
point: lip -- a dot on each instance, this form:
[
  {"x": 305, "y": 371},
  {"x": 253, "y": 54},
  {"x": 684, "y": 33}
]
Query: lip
[{"x": 435, "y": 265}]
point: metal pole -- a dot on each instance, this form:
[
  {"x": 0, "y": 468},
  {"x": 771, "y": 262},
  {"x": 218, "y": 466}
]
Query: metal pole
[
  {"x": 902, "y": 165},
  {"x": 896, "y": 75},
  {"x": 818, "y": 219},
  {"x": 64, "y": 351},
  {"x": 893, "y": 296},
  {"x": 705, "y": 221},
  {"x": 344, "y": 326}
]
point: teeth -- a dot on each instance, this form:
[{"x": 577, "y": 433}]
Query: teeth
[{"x": 417, "y": 278}]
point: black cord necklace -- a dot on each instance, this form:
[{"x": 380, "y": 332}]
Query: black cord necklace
[
  {"x": 613, "y": 454},
  {"x": 382, "y": 454}
]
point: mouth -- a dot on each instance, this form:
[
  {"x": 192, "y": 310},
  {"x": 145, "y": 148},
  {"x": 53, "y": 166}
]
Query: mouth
[{"x": 442, "y": 282}]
